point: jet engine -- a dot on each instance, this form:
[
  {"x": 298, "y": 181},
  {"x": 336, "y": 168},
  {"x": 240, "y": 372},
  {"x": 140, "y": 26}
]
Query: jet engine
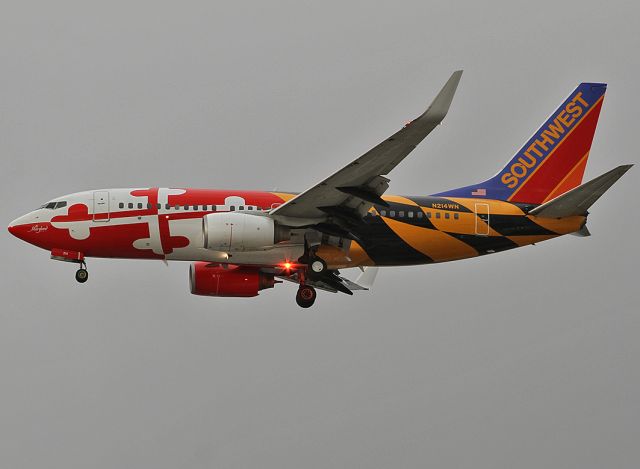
[
  {"x": 233, "y": 231},
  {"x": 217, "y": 280}
]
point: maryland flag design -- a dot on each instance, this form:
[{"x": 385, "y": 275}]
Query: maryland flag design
[{"x": 422, "y": 230}]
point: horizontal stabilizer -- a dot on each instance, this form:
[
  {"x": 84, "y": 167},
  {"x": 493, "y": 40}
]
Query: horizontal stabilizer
[{"x": 577, "y": 201}]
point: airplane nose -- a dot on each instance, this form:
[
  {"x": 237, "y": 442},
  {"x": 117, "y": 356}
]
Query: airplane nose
[
  {"x": 16, "y": 227},
  {"x": 13, "y": 227},
  {"x": 31, "y": 228}
]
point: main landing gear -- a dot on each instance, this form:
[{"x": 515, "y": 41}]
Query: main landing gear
[
  {"x": 82, "y": 275},
  {"x": 306, "y": 296},
  {"x": 313, "y": 268}
]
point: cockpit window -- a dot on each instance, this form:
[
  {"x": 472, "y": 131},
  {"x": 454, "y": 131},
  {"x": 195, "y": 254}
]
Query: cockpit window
[{"x": 54, "y": 205}]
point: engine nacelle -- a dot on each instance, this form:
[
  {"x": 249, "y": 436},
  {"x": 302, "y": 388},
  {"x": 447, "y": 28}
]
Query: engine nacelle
[
  {"x": 233, "y": 231},
  {"x": 215, "y": 280}
]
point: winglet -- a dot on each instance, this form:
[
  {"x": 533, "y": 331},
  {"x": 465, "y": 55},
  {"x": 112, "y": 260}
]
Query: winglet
[
  {"x": 440, "y": 105},
  {"x": 577, "y": 201}
]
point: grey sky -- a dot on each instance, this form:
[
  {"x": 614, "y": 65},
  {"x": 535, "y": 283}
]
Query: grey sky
[{"x": 523, "y": 359}]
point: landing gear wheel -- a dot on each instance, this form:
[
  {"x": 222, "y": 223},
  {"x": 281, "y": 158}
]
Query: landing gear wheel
[
  {"x": 306, "y": 296},
  {"x": 317, "y": 266},
  {"x": 82, "y": 275}
]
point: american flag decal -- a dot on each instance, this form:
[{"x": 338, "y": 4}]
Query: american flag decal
[{"x": 479, "y": 192}]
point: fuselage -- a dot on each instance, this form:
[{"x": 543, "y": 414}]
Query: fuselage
[{"x": 167, "y": 224}]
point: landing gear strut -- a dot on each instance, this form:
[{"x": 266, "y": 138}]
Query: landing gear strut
[
  {"x": 316, "y": 266},
  {"x": 306, "y": 296},
  {"x": 82, "y": 275},
  {"x": 313, "y": 267}
]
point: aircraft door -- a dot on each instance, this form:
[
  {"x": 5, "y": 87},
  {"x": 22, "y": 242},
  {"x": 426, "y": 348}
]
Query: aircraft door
[
  {"x": 101, "y": 206},
  {"x": 482, "y": 219}
]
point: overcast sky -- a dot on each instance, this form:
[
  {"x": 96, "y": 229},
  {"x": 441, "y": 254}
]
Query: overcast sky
[{"x": 526, "y": 359}]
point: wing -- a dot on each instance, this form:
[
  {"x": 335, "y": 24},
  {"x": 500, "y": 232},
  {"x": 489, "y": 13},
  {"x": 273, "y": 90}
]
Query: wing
[{"x": 356, "y": 187}]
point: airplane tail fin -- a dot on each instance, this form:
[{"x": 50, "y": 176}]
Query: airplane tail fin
[
  {"x": 553, "y": 160},
  {"x": 578, "y": 200}
]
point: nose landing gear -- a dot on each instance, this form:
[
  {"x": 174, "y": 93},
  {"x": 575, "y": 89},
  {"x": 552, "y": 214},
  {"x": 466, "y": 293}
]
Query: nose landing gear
[
  {"x": 82, "y": 275},
  {"x": 76, "y": 257}
]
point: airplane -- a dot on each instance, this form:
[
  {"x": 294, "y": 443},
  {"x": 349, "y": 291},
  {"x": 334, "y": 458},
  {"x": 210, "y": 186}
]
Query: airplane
[{"x": 243, "y": 242}]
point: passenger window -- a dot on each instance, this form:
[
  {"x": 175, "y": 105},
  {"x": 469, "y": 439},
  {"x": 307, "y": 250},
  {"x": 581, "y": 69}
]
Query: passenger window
[
  {"x": 437, "y": 214},
  {"x": 159, "y": 206},
  {"x": 420, "y": 214},
  {"x": 410, "y": 214},
  {"x": 392, "y": 213},
  {"x": 167, "y": 206},
  {"x": 232, "y": 208},
  {"x": 121, "y": 205},
  {"x": 149, "y": 206},
  {"x": 186, "y": 207},
  {"x": 249, "y": 207},
  {"x": 456, "y": 215},
  {"x": 195, "y": 207},
  {"x": 428, "y": 214},
  {"x": 383, "y": 213},
  {"x": 130, "y": 205},
  {"x": 139, "y": 205},
  {"x": 446, "y": 215},
  {"x": 401, "y": 214},
  {"x": 241, "y": 207}
]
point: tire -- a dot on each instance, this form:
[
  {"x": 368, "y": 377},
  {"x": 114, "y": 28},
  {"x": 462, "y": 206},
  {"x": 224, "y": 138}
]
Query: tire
[
  {"x": 306, "y": 296},
  {"x": 82, "y": 275}
]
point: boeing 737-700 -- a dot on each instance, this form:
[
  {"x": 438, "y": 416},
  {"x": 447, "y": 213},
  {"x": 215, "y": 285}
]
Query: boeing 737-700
[{"x": 242, "y": 242}]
